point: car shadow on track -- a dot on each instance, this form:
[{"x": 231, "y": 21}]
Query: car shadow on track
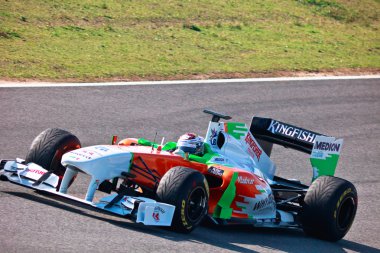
[
  {"x": 239, "y": 238},
  {"x": 282, "y": 239}
]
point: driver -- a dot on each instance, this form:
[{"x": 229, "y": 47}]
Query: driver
[
  {"x": 191, "y": 146},
  {"x": 191, "y": 143},
  {"x": 195, "y": 149}
]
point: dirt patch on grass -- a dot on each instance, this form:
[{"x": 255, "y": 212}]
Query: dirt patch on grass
[{"x": 333, "y": 72}]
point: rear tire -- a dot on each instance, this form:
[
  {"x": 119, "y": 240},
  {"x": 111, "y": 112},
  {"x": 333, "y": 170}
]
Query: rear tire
[
  {"x": 329, "y": 208},
  {"x": 188, "y": 191},
  {"x": 49, "y": 146}
]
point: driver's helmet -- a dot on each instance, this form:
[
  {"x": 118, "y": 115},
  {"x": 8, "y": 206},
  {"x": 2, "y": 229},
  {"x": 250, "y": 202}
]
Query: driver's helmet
[{"x": 191, "y": 143}]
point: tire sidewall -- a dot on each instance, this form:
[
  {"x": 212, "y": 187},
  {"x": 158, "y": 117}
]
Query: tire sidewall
[
  {"x": 193, "y": 183},
  {"x": 346, "y": 194},
  {"x": 321, "y": 208},
  {"x": 176, "y": 188},
  {"x": 48, "y": 147}
]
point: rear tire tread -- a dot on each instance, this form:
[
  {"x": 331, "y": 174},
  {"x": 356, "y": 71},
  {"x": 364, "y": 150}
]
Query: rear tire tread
[{"x": 320, "y": 204}]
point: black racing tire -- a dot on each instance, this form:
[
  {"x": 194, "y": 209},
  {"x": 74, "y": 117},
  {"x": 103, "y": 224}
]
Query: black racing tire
[
  {"x": 329, "y": 208},
  {"x": 49, "y": 146},
  {"x": 188, "y": 191}
]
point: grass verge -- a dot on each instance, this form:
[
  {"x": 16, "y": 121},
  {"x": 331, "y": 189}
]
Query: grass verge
[{"x": 127, "y": 40}]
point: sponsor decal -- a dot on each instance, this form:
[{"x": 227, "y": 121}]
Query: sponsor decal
[
  {"x": 326, "y": 146},
  {"x": 245, "y": 180},
  {"x": 40, "y": 172},
  {"x": 325, "y": 155},
  {"x": 206, "y": 186},
  {"x": 156, "y": 216},
  {"x": 236, "y": 129},
  {"x": 74, "y": 156},
  {"x": 215, "y": 171},
  {"x": 160, "y": 209},
  {"x": 263, "y": 203},
  {"x": 213, "y": 136},
  {"x": 88, "y": 152},
  {"x": 261, "y": 179},
  {"x": 183, "y": 217},
  {"x": 277, "y": 127},
  {"x": 347, "y": 191},
  {"x": 265, "y": 220},
  {"x": 102, "y": 148},
  {"x": 81, "y": 155},
  {"x": 219, "y": 159},
  {"x": 319, "y": 155},
  {"x": 254, "y": 147},
  {"x": 156, "y": 213}
]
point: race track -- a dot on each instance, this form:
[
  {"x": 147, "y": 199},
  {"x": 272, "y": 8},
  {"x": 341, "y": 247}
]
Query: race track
[{"x": 31, "y": 222}]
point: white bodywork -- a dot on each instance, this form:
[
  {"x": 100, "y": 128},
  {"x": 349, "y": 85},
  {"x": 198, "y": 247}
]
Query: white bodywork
[
  {"x": 28, "y": 174},
  {"x": 244, "y": 152},
  {"x": 148, "y": 211},
  {"x": 101, "y": 162}
]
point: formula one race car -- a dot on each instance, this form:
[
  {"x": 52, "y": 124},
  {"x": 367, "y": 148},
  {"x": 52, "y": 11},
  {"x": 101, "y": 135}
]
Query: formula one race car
[{"x": 233, "y": 181}]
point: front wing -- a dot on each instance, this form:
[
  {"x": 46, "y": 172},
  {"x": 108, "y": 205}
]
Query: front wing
[{"x": 140, "y": 209}]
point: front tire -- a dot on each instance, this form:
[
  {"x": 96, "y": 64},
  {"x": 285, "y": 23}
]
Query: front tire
[
  {"x": 329, "y": 208},
  {"x": 188, "y": 191},
  {"x": 49, "y": 146}
]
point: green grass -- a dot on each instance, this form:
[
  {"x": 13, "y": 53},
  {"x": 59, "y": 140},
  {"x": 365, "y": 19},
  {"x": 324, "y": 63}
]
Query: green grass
[{"x": 160, "y": 39}]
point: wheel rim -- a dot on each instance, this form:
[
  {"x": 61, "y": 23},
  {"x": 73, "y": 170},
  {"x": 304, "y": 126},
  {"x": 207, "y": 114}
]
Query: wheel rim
[
  {"x": 196, "y": 204},
  {"x": 346, "y": 213},
  {"x": 56, "y": 165}
]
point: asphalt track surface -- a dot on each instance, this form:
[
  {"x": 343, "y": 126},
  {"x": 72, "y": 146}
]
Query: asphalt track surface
[{"x": 31, "y": 222}]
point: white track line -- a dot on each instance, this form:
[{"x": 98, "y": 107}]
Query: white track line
[{"x": 9, "y": 84}]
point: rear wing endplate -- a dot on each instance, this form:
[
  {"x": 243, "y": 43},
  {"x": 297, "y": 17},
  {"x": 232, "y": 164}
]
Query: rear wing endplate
[{"x": 325, "y": 155}]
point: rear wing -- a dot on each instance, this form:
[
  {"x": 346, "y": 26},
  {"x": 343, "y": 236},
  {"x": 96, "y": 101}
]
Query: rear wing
[
  {"x": 258, "y": 141},
  {"x": 284, "y": 134},
  {"x": 324, "y": 151}
]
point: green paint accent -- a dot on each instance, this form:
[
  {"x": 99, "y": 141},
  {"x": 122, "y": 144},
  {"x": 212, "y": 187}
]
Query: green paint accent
[
  {"x": 202, "y": 159},
  {"x": 325, "y": 167},
  {"x": 199, "y": 159},
  {"x": 144, "y": 142},
  {"x": 131, "y": 161},
  {"x": 168, "y": 146},
  {"x": 236, "y": 129},
  {"x": 171, "y": 145},
  {"x": 223, "y": 209},
  {"x": 208, "y": 155}
]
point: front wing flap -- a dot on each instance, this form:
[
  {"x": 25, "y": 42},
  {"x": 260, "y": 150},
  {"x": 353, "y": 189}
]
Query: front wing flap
[{"x": 140, "y": 209}]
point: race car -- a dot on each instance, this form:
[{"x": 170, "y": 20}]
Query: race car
[{"x": 232, "y": 181}]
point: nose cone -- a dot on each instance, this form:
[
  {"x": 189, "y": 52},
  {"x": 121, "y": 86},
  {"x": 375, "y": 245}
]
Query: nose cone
[
  {"x": 99, "y": 161},
  {"x": 84, "y": 155}
]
